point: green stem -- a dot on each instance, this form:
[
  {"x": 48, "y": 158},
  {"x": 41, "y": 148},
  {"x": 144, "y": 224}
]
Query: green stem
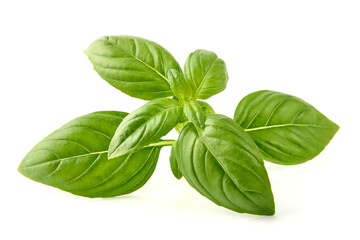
[{"x": 161, "y": 143}]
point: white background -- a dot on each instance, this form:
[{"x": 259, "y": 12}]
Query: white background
[{"x": 310, "y": 49}]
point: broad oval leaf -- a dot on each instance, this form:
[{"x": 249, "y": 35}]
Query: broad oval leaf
[
  {"x": 206, "y": 73},
  {"x": 173, "y": 163},
  {"x": 145, "y": 125},
  {"x": 134, "y": 65},
  {"x": 223, "y": 164},
  {"x": 194, "y": 113},
  {"x": 74, "y": 159},
  {"x": 286, "y": 129}
]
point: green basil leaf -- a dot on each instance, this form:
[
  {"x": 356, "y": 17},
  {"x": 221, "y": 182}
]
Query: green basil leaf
[
  {"x": 179, "y": 86},
  {"x": 194, "y": 113},
  {"x": 74, "y": 159},
  {"x": 145, "y": 125},
  {"x": 133, "y": 65},
  {"x": 223, "y": 164},
  {"x": 286, "y": 129},
  {"x": 206, "y": 73},
  {"x": 173, "y": 163}
]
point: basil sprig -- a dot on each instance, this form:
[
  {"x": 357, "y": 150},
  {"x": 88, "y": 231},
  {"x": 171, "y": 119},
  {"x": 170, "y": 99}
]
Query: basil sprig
[{"x": 110, "y": 153}]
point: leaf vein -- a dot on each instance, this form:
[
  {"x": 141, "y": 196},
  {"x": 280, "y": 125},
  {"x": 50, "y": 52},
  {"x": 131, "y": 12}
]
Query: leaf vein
[{"x": 152, "y": 68}]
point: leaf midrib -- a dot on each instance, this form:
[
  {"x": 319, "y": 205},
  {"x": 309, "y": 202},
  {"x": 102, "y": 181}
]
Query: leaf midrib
[
  {"x": 284, "y": 125},
  {"x": 67, "y": 158},
  {"x": 203, "y": 80},
  {"x": 138, "y": 59},
  {"x": 141, "y": 126}
]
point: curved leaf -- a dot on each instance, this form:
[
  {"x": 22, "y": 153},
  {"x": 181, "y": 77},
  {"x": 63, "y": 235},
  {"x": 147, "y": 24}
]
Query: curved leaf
[
  {"x": 173, "y": 163},
  {"x": 206, "y": 108},
  {"x": 145, "y": 125},
  {"x": 133, "y": 65},
  {"x": 194, "y": 113},
  {"x": 179, "y": 86},
  {"x": 206, "y": 73},
  {"x": 181, "y": 125},
  {"x": 286, "y": 129},
  {"x": 222, "y": 163},
  {"x": 74, "y": 159}
]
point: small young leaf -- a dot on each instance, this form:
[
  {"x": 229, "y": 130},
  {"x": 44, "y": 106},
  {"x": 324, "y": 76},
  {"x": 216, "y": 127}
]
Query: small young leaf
[
  {"x": 181, "y": 125},
  {"x": 207, "y": 109},
  {"x": 74, "y": 159},
  {"x": 134, "y": 65},
  {"x": 145, "y": 125},
  {"x": 222, "y": 163},
  {"x": 286, "y": 129},
  {"x": 179, "y": 86},
  {"x": 206, "y": 73},
  {"x": 173, "y": 163},
  {"x": 194, "y": 113}
]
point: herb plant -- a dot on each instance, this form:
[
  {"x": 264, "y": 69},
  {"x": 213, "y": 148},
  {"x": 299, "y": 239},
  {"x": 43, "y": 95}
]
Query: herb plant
[{"x": 112, "y": 153}]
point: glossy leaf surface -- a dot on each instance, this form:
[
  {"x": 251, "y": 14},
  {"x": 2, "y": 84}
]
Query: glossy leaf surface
[
  {"x": 223, "y": 164},
  {"x": 145, "y": 125},
  {"x": 134, "y": 65},
  {"x": 74, "y": 159},
  {"x": 286, "y": 129},
  {"x": 174, "y": 164},
  {"x": 194, "y": 113},
  {"x": 206, "y": 73}
]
